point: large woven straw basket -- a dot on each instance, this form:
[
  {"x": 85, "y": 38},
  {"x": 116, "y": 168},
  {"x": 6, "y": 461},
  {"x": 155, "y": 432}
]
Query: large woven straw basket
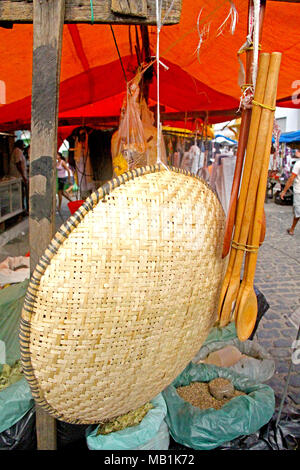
[{"x": 124, "y": 295}]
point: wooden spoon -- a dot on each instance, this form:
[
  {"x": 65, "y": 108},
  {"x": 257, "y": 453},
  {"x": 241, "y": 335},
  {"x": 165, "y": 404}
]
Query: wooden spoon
[
  {"x": 227, "y": 298},
  {"x": 258, "y": 158},
  {"x": 247, "y": 310}
]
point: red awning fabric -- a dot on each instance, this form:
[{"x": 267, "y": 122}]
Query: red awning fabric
[{"x": 92, "y": 80}]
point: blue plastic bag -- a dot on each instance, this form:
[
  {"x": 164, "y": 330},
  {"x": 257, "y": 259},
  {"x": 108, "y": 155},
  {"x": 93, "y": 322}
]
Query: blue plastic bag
[
  {"x": 134, "y": 437},
  {"x": 208, "y": 429}
]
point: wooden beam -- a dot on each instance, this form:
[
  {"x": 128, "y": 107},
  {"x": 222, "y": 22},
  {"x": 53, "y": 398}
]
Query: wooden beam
[
  {"x": 79, "y": 11},
  {"x": 130, "y": 7},
  {"x": 48, "y": 18}
]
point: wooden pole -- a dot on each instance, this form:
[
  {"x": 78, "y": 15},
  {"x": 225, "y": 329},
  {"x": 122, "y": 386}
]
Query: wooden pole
[{"x": 48, "y": 20}]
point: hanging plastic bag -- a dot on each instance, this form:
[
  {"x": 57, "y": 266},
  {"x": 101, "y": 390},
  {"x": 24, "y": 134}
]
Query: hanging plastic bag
[
  {"x": 128, "y": 146},
  {"x": 208, "y": 429},
  {"x": 150, "y": 132},
  {"x": 151, "y": 433}
]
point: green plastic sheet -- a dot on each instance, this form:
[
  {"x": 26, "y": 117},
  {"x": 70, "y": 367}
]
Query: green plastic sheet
[
  {"x": 11, "y": 303},
  {"x": 15, "y": 400},
  {"x": 208, "y": 429}
]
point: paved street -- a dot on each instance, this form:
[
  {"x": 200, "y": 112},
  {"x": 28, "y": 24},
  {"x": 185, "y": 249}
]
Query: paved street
[{"x": 277, "y": 277}]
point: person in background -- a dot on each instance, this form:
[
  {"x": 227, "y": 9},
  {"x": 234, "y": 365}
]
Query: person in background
[
  {"x": 294, "y": 180},
  {"x": 63, "y": 174},
  {"x": 18, "y": 169},
  {"x": 71, "y": 186}
]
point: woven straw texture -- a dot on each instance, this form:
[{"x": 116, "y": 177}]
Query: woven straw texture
[{"x": 124, "y": 295}]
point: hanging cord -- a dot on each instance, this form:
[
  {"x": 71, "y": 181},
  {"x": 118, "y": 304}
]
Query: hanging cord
[
  {"x": 92, "y": 11},
  {"x": 159, "y": 23},
  {"x": 120, "y": 58},
  {"x": 256, "y": 14},
  {"x": 252, "y": 43}
]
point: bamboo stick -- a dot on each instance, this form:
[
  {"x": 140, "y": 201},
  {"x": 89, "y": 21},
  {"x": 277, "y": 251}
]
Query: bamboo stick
[
  {"x": 269, "y": 100},
  {"x": 243, "y": 138},
  {"x": 247, "y": 309},
  {"x": 254, "y": 125}
]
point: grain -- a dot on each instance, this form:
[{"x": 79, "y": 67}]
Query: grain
[
  {"x": 133, "y": 418},
  {"x": 10, "y": 374},
  {"x": 198, "y": 395}
]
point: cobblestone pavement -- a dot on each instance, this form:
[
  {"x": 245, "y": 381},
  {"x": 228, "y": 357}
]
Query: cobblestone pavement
[{"x": 277, "y": 277}]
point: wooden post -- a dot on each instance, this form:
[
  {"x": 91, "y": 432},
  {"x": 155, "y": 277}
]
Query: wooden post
[{"x": 48, "y": 20}]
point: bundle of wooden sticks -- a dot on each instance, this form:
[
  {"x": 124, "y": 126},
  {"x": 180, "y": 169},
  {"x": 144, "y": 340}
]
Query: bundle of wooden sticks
[{"x": 238, "y": 301}]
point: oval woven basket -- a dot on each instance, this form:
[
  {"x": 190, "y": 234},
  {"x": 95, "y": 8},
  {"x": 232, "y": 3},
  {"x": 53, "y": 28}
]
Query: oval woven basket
[{"x": 124, "y": 296}]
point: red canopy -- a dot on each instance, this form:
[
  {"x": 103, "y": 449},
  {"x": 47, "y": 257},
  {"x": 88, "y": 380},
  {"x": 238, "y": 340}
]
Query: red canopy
[{"x": 92, "y": 80}]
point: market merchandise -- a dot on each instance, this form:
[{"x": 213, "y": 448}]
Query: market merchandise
[
  {"x": 225, "y": 357},
  {"x": 151, "y": 433},
  {"x": 249, "y": 217},
  {"x": 199, "y": 394},
  {"x": 129, "y": 285},
  {"x": 207, "y": 427},
  {"x": 10, "y": 374},
  {"x": 125, "y": 421}
]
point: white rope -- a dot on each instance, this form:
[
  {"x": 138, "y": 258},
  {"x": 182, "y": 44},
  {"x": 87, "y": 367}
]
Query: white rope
[
  {"x": 204, "y": 32},
  {"x": 255, "y": 40},
  {"x": 159, "y": 23},
  {"x": 233, "y": 16},
  {"x": 252, "y": 41}
]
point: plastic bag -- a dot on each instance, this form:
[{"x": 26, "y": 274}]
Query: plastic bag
[
  {"x": 22, "y": 435},
  {"x": 208, "y": 429},
  {"x": 150, "y": 132},
  {"x": 11, "y": 303},
  {"x": 147, "y": 433},
  {"x": 128, "y": 145},
  {"x": 284, "y": 436},
  {"x": 71, "y": 436},
  {"x": 160, "y": 441},
  {"x": 258, "y": 366},
  {"x": 14, "y": 269},
  {"x": 15, "y": 400}
]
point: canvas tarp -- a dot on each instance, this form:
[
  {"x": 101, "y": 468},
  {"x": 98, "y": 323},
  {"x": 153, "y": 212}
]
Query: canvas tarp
[{"x": 92, "y": 81}]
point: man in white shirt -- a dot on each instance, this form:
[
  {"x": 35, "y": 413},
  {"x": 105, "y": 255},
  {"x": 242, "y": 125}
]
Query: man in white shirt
[{"x": 294, "y": 180}]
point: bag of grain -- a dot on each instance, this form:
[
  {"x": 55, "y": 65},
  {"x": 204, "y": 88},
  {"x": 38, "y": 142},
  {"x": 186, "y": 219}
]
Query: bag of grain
[
  {"x": 202, "y": 422},
  {"x": 150, "y": 434},
  {"x": 247, "y": 358}
]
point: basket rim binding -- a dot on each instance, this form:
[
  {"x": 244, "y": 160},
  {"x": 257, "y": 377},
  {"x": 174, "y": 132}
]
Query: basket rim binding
[{"x": 57, "y": 241}]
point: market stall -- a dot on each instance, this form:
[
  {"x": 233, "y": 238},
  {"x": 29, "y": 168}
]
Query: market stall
[{"x": 125, "y": 294}]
